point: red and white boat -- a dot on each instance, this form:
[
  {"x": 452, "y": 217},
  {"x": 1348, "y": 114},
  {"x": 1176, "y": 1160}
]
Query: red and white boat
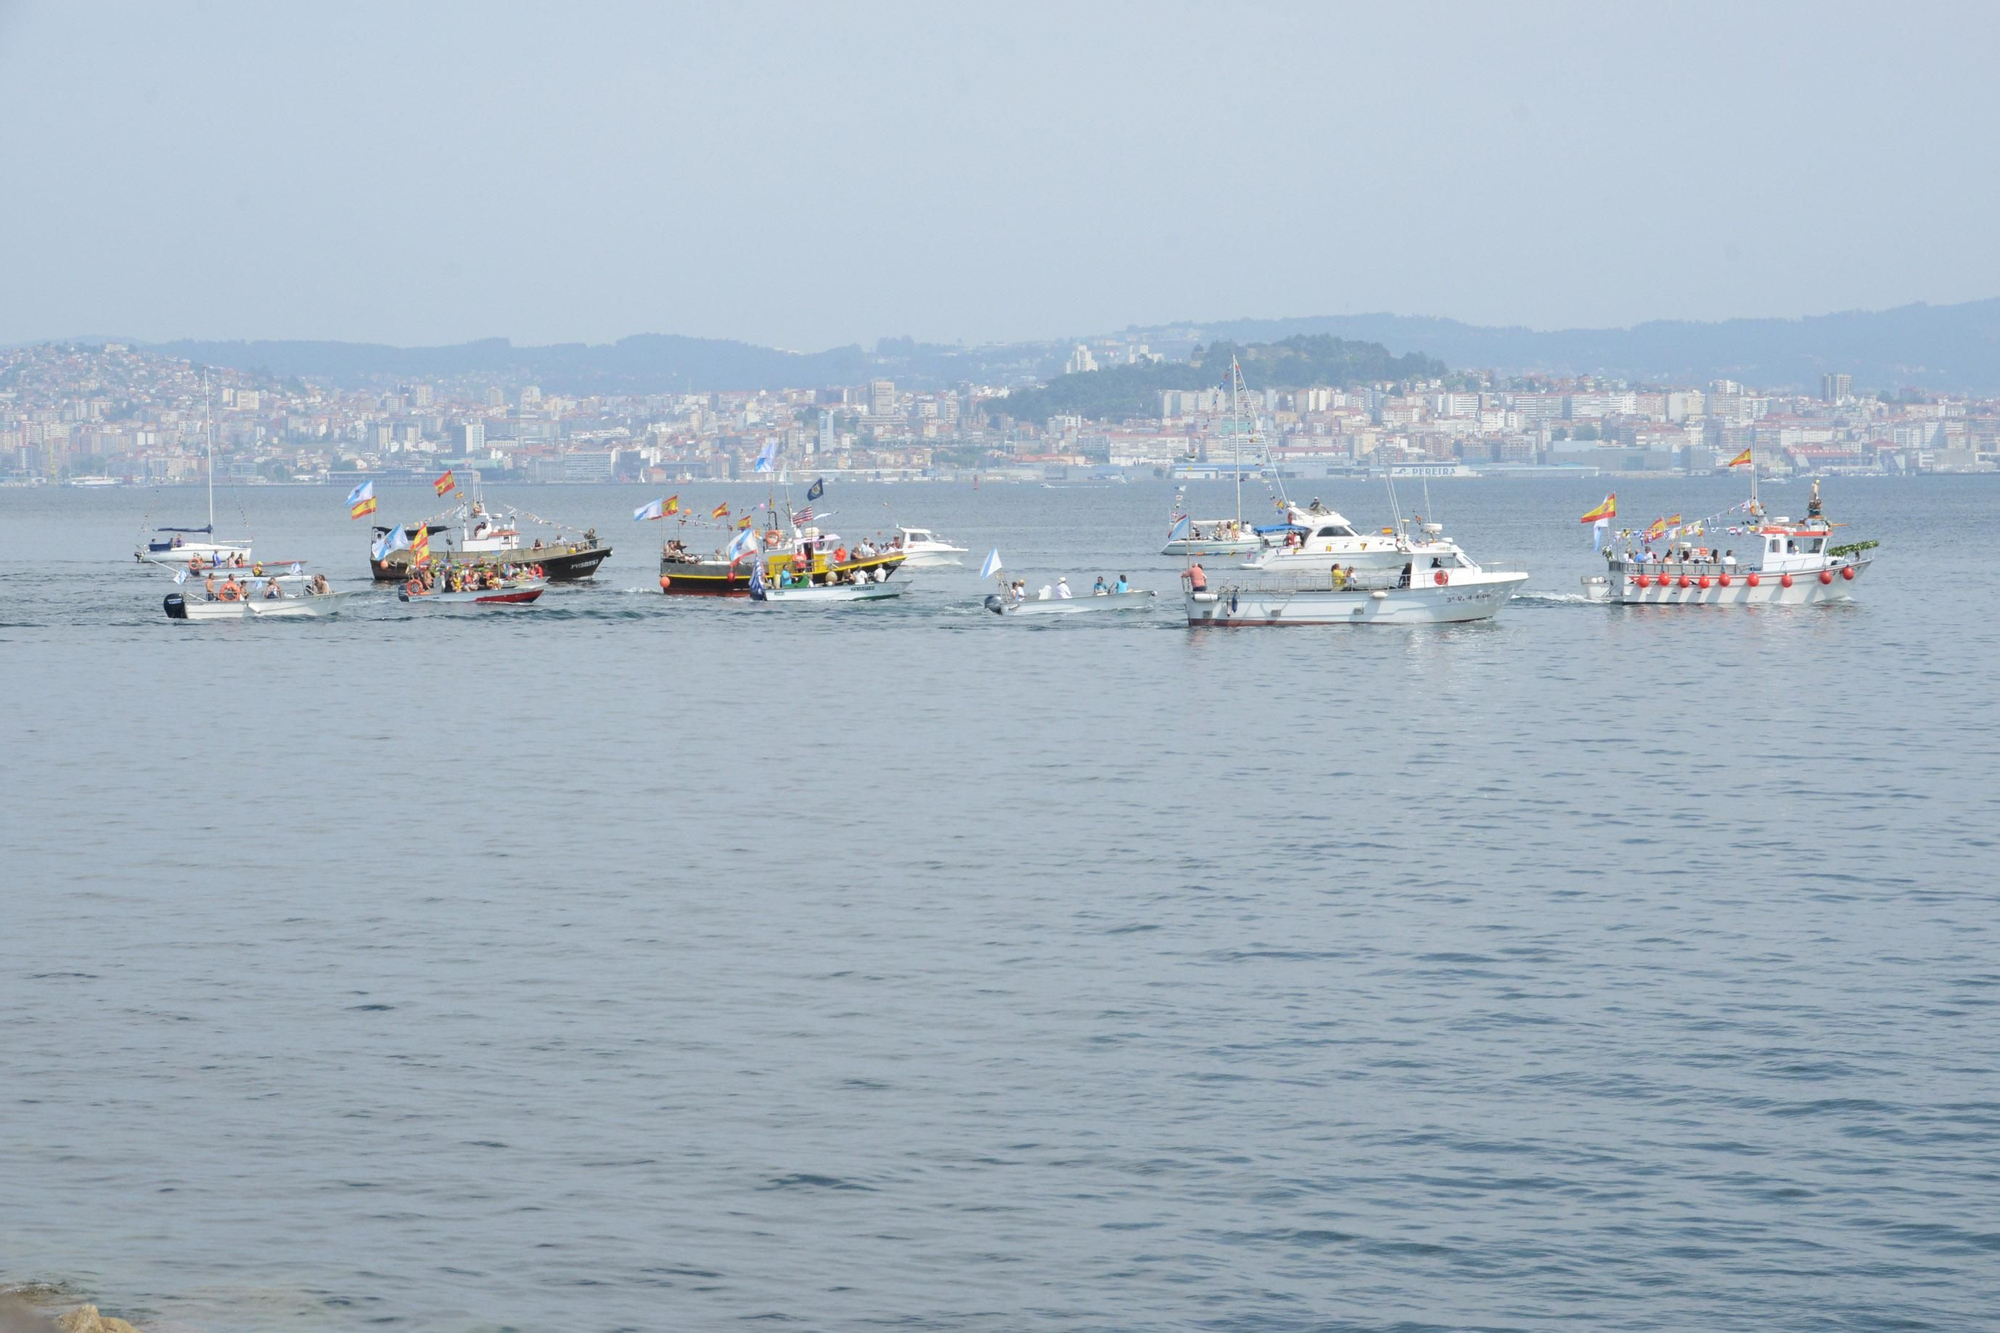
[
  {"x": 1770, "y": 562},
  {"x": 517, "y": 593}
]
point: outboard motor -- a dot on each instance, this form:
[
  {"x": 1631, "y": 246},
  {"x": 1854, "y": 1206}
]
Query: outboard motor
[
  {"x": 176, "y": 606},
  {"x": 995, "y": 605}
]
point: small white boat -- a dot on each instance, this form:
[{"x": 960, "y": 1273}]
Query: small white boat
[
  {"x": 1138, "y": 599},
  {"x": 921, "y": 547},
  {"x": 817, "y": 594},
  {"x": 300, "y": 605},
  {"x": 519, "y": 593},
  {"x": 1213, "y": 536}
]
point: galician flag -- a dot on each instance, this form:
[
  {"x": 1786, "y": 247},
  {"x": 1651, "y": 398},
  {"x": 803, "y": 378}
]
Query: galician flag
[
  {"x": 767, "y": 461},
  {"x": 1741, "y": 460},
  {"x": 656, "y": 509},
  {"x": 1609, "y": 509},
  {"x": 992, "y": 565},
  {"x": 395, "y": 539},
  {"x": 361, "y": 500},
  {"x": 1180, "y": 528},
  {"x": 742, "y": 544}
]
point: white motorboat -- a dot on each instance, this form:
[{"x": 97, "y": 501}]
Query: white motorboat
[
  {"x": 1314, "y": 539},
  {"x": 1784, "y": 563},
  {"x": 921, "y": 547},
  {"x": 817, "y": 594},
  {"x": 1138, "y": 599},
  {"x": 298, "y": 604}
]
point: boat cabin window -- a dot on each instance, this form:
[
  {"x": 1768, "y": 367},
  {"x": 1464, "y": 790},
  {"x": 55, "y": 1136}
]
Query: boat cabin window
[
  {"x": 917, "y": 534},
  {"x": 1336, "y": 531},
  {"x": 1815, "y": 545},
  {"x": 1774, "y": 546}
]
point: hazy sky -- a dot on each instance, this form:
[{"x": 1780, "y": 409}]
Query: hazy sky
[{"x": 805, "y": 176}]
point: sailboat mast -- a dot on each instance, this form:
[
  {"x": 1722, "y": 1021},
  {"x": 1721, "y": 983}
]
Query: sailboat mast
[
  {"x": 1236, "y": 436},
  {"x": 208, "y": 451}
]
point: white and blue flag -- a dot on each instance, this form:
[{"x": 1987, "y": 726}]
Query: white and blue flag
[
  {"x": 1180, "y": 528},
  {"x": 181, "y": 577},
  {"x": 657, "y": 509},
  {"x": 768, "y": 460},
  {"x": 365, "y": 491},
  {"x": 992, "y": 565},
  {"x": 1597, "y": 533},
  {"x": 742, "y": 544},
  {"x": 395, "y": 539}
]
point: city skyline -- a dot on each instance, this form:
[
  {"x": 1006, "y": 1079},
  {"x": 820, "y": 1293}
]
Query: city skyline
[{"x": 806, "y": 179}]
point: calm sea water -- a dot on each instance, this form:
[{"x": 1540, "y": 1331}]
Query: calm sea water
[{"x": 626, "y": 963}]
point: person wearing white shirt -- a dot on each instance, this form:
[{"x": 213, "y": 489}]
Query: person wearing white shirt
[{"x": 1062, "y": 588}]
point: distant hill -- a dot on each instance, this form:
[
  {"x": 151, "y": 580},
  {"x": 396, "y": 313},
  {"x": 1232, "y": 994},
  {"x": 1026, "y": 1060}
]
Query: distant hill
[
  {"x": 1292, "y": 363},
  {"x": 646, "y": 363},
  {"x": 1945, "y": 347}
]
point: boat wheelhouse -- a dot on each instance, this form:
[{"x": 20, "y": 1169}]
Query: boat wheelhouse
[{"x": 922, "y": 547}]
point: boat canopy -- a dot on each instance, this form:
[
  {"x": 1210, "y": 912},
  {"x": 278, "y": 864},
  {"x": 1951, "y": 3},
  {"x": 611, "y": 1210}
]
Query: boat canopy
[
  {"x": 205, "y": 528},
  {"x": 1283, "y": 527}
]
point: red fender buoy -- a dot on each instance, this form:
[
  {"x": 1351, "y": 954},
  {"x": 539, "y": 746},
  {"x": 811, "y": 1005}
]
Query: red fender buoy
[
  {"x": 1785, "y": 579},
  {"x": 1440, "y": 578},
  {"x": 1644, "y": 580},
  {"x": 666, "y": 582},
  {"x": 1723, "y": 579},
  {"x": 1702, "y": 582},
  {"x": 1686, "y": 582},
  {"x": 1848, "y": 573},
  {"x": 1826, "y": 576},
  {"x": 1752, "y": 580}
]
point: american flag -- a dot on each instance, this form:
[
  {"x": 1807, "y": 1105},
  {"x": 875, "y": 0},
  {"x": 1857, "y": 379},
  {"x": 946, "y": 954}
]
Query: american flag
[{"x": 802, "y": 517}]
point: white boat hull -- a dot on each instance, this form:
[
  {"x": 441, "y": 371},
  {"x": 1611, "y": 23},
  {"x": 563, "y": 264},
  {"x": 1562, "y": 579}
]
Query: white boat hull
[
  {"x": 1769, "y": 590},
  {"x": 1229, "y": 546},
  {"x": 922, "y": 559},
  {"x": 298, "y": 606},
  {"x": 821, "y": 594},
  {"x": 1138, "y": 599},
  {"x": 1466, "y": 597}
]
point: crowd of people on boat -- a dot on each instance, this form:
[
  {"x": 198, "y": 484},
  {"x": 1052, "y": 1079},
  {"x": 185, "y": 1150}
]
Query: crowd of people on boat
[
  {"x": 434, "y": 578},
  {"x": 230, "y": 588},
  {"x": 1059, "y": 590},
  {"x": 1685, "y": 555}
]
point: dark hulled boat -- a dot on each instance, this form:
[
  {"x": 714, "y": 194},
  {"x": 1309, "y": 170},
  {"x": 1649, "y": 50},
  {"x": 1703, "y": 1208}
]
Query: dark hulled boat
[
  {"x": 493, "y": 540},
  {"x": 685, "y": 574}
]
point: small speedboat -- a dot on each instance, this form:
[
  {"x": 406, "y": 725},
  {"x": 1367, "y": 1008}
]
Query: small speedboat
[
  {"x": 518, "y": 593},
  {"x": 299, "y": 605},
  {"x": 819, "y": 593},
  {"x": 1138, "y": 599},
  {"x": 921, "y": 546}
]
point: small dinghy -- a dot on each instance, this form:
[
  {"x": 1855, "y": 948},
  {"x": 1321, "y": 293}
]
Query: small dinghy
[
  {"x": 1138, "y": 599},
  {"x": 511, "y": 594},
  {"x": 819, "y": 593}
]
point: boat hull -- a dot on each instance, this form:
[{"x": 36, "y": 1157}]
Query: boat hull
[
  {"x": 1137, "y": 600},
  {"x": 293, "y": 607},
  {"x": 1234, "y": 546},
  {"x": 1620, "y": 589},
  {"x": 560, "y": 564},
  {"x": 718, "y": 578},
  {"x": 1479, "y": 597},
  {"x": 516, "y": 596},
  {"x": 825, "y": 595},
  {"x": 931, "y": 559}
]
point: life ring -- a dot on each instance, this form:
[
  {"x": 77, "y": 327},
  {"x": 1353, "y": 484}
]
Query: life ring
[
  {"x": 228, "y": 593},
  {"x": 772, "y": 537},
  {"x": 666, "y": 582},
  {"x": 413, "y": 587},
  {"x": 1440, "y": 578}
]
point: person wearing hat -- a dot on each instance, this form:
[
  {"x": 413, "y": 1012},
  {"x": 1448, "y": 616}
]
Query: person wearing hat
[{"x": 1062, "y": 587}]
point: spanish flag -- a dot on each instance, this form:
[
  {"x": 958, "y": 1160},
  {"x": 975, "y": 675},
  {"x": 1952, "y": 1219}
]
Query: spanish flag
[
  {"x": 1658, "y": 530},
  {"x": 1740, "y": 459},
  {"x": 361, "y": 500},
  {"x": 1609, "y": 509},
  {"x": 673, "y": 506},
  {"x": 420, "y": 545},
  {"x": 446, "y": 484},
  {"x": 720, "y": 511},
  {"x": 746, "y": 520}
]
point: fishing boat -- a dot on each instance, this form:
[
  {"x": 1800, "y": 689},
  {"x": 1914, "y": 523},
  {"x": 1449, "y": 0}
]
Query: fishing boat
[
  {"x": 1314, "y": 539},
  {"x": 1783, "y": 562},
  {"x": 176, "y": 550},
  {"x": 922, "y": 547},
  {"x": 1442, "y": 589},
  {"x": 1217, "y": 536},
  {"x": 488, "y": 539},
  {"x": 813, "y": 558}
]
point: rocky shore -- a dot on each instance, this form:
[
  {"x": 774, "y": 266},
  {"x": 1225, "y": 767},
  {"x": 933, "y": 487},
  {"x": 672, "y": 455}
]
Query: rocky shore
[{"x": 18, "y": 1314}]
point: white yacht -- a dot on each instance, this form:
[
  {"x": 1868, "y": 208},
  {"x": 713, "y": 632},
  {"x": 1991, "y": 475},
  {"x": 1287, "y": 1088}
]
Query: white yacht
[
  {"x": 1434, "y": 589},
  {"x": 178, "y": 551},
  {"x": 1314, "y": 539},
  {"x": 922, "y": 547}
]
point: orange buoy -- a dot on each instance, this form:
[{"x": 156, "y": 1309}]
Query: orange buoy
[
  {"x": 1785, "y": 579},
  {"x": 666, "y": 582},
  {"x": 1440, "y": 578},
  {"x": 1752, "y": 579},
  {"x": 1686, "y": 582},
  {"x": 1644, "y": 581},
  {"x": 1723, "y": 579},
  {"x": 1847, "y": 572},
  {"x": 1703, "y": 582},
  {"x": 1826, "y": 576}
]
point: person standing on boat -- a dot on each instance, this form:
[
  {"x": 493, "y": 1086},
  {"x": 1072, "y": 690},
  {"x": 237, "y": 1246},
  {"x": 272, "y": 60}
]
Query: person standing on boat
[
  {"x": 1121, "y": 586},
  {"x": 1098, "y": 589},
  {"x": 1062, "y": 587},
  {"x": 1197, "y": 577}
]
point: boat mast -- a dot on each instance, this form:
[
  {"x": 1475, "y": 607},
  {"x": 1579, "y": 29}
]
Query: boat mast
[
  {"x": 208, "y": 449},
  {"x": 1236, "y": 434}
]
